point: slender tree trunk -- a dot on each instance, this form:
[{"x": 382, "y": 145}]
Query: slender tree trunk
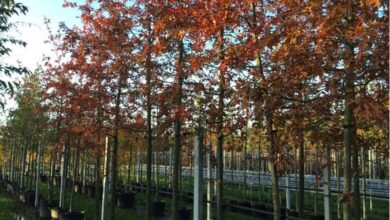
[
  {"x": 129, "y": 167},
  {"x": 220, "y": 118},
  {"x": 13, "y": 153},
  {"x": 273, "y": 167},
  {"x": 55, "y": 158},
  {"x": 75, "y": 167},
  {"x": 327, "y": 186},
  {"x": 98, "y": 195},
  {"x": 23, "y": 165},
  {"x": 363, "y": 158},
  {"x": 245, "y": 160},
  {"x": 30, "y": 167},
  {"x": 338, "y": 170},
  {"x": 51, "y": 174},
  {"x": 209, "y": 182},
  {"x": 97, "y": 187},
  {"x": 301, "y": 169},
  {"x": 348, "y": 135},
  {"x": 198, "y": 175},
  {"x": 114, "y": 159},
  {"x": 106, "y": 169},
  {"x": 348, "y": 123},
  {"x": 35, "y": 164},
  {"x": 148, "y": 136},
  {"x": 37, "y": 179},
  {"x": 347, "y": 161},
  {"x": 260, "y": 155},
  {"x": 317, "y": 184},
  {"x": 64, "y": 165},
  {"x": 356, "y": 186},
  {"x": 157, "y": 167},
  {"x": 177, "y": 148},
  {"x": 272, "y": 146}
]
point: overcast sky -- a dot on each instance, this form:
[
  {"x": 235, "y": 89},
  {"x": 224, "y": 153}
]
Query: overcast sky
[{"x": 32, "y": 30}]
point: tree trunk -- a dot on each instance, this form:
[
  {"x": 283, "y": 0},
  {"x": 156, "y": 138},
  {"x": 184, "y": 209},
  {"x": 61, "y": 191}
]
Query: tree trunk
[
  {"x": 106, "y": 168},
  {"x": 356, "y": 187},
  {"x": 51, "y": 175},
  {"x": 12, "y": 169},
  {"x": 272, "y": 164},
  {"x": 209, "y": 182},
  {"x": 338, "y": 170},
  {"x": 177, "y": 148},
  {"x": 348, "y": 135},
  {"x": 98, "y": 195},
  {"x": 64, "y": 165},
  {"x": 148, "y": 136},
  {"x": 129, "y": 167},
  {"x": 198, "y": 176},
  {"x": 23, "y": 165},
  {"x": 221, "y": 106},
  {"x": 75, "y": 167},
  {"x": 363, "y": 158},
  {"x": 317, "y": 184},
  {"x": 301, "y": 170},
  {"x": 37, "y": 180},
  {"x": 327, "y": 186},
  {"x": 97, "y": 187},
  {"x": 114, "y": 159},
  {"x": 348, "y": 123}
]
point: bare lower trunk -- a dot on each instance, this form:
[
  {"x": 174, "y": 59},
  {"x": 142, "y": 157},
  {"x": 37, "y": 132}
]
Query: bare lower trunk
[
  {"x": 273, "y": 168},
  {"x": 364, "y": 205},
  {"x": 37, "y": 179},
  {"x": 129, "y": 167},
  {"x": 221, "y": 106},
  {"x": 348, "y": 126},
  {"x": 114, "y": 158},
  {"x": 75, "y": 166},
  {"x": 356, "y": 187},
  {"x": 51, "y": 175},
  {"x": 148, "y": 137},
  {"x": 176, "y": 159},
  {"x": 97, "y": 187},
  {"x": 64, "y": 165},
  {"x": 23, "y": 165},
  {"x": 301, "y": 171}
]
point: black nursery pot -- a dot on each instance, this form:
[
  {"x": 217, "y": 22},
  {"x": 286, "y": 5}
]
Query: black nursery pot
[
  {"x": 185, "y": 214},
  {"x": 44, "y": 212},
  {"x": 56, "y": 180},
  {"x": 29, "y": 198},
  {"x": 91, "y": 191},
  {"x": 72, "y": 216},
  {"x": 43, "y": 178},
  {"x": 158, "y": 209},
  {"x": 77, "y": 187},
  {"x": 84, "y": 189},
  {"x": 189, "y": 197},
  {"x": 125, "y": 200},
  {"x": 53, "y": 203},
  {"x": 316, "y": 217},
  {"x": 292, "y": 213},
  {"x": 137, "y": 187},
  {"x": 232, "y": 204},
  {"x": 10, "y": 188}
]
